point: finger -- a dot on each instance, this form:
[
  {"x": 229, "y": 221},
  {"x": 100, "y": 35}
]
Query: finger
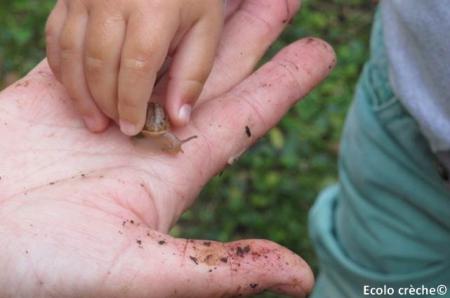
[
  {"x": 231, "y": 6},
  {"x": 245, "y": 268},
  {"x": 53, "y": 29},
  {"x": 72, "y": 73},
  {"x": 249, "y": 110},
  {"x": 146, "y": 46},
  {"x": 246, "y": 36},
  {"x": 104, "y": 38},
  {"x": 208, "y": 269},
  {"x": 191, "y": 66}
]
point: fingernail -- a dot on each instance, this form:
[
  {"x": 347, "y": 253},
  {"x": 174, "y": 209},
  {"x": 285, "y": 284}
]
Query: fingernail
[
  {"x": 128, "y": 128},
  {"x": 185, "y": 113}
]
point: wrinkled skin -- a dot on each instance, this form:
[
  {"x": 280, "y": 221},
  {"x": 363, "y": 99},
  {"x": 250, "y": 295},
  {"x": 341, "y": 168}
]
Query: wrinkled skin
[{"x": 87, "y": 215}]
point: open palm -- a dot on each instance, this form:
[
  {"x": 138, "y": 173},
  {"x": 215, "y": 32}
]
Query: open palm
[{"x": 87, "y": 215}]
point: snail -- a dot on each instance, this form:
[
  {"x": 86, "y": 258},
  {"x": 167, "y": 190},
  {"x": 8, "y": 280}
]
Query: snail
[{"x": 157, "y": 128}]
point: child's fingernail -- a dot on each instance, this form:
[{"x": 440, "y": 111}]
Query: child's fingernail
[
  {"x": 128, "y": 128},
  {"x": 185, "y": 113}
]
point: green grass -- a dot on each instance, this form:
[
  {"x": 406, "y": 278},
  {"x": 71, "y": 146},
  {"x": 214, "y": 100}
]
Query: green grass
[{"x": 268, "y": 192}]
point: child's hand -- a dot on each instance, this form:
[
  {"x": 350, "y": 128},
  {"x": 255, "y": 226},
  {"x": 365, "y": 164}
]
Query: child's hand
[{"x": 107, "y": 54}]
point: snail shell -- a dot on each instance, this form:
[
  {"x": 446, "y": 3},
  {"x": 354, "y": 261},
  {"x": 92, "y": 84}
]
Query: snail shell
[
  {"x": 156, "y": 123},
  {"x": 157, "y": 127}
]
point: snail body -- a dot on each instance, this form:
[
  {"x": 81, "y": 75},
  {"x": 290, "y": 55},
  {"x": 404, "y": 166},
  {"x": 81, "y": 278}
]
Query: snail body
[{"x": 157, "y": 128}]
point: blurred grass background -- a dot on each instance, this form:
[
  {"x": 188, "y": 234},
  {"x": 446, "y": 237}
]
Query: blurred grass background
[{"x": 268, "y": 192}]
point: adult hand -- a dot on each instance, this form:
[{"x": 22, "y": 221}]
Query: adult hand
[{"x": 86, "y": 215}]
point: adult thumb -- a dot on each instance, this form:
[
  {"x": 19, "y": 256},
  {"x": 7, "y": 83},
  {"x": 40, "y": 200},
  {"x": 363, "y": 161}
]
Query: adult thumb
[
  {"x": 171, "y": 267},
  {"x": 244, "y": 268}
]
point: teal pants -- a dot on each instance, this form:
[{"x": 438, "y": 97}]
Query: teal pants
[{"x": 384, "y": 229}]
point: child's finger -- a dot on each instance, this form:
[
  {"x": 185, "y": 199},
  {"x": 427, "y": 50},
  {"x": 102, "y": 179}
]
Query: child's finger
[
  {"x": 191, "y": 66},
  {"x": 104, "y": 38},
  {"x": 53, "y": 28},
  {"x": 72, "y": 74},
  {"x": 146, "y": 45}
]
